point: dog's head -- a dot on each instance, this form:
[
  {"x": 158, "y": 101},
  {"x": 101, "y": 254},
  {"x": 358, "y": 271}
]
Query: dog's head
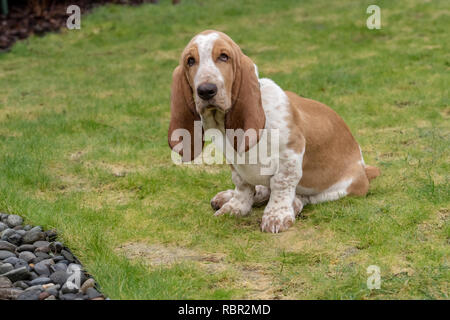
[{"x": 214, "y": 74}]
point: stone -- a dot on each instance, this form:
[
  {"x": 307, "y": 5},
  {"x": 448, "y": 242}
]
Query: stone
[
  {"x": 33, "y": 235},
  {"x": 15, "y": 238},
  {"x": 67, "y": 255},
  {"x": 89, "y": 283},
  {"x": 49, "y": 285},
  {"x": 58, "y": 267},
  {"x": 56, "y": 247},
  {"x": 21, "y": 284},
  {"x": 27, "y": 256},
  {"x": 21, "y": 263},
  {"x": 6, "y": 267},
  {"x": 34, "y": 266},
  {"x": 45, "y": 250},
  {"x": 41, "y": 243},
  {"x": 53, "y": 290},
  {"x": 9, "y": 293},
  {"x": 12, "y": 260},
  {"x": 50, "y": 235},
  {"x": 68, "y": 296},
  {"x": 4, "y": 245},
  {"x": 44, "y": 295},
  {"x": 42, "y": 255},
  {"x": 36, "y": 287},
  {"x": 40, "y": 281},
  {"x": 26, "y": 247},
  {"x": 59, "y": 259},
  {"x": 18, "y": 274},
  {"x": 41, "y": 268},
  {"x": 38, "y": 259},
  {"x": 59, "y": 277},
  {"x": 92, "y": 293},
  {"x": 5, "y": 282},
  {"x": 21, "y": 232},
  {"x": 3, "y": 226},
  {"x": 29, "y": 295},
  {"x": 33, "y": 275},
  {"x": 14, "y": 220},
  {"x": 6, "y": 254},
  {"x": 6, "y": 234}
]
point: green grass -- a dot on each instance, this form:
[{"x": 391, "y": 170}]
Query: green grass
[{"x": 83, "y": 149}]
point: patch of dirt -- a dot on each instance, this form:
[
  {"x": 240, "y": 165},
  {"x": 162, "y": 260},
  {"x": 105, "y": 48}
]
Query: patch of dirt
[
  {"x": 256, "y": 282},
  {"x": 427, "y": 229},
  {"x": 445, "y": 112},
  {"x": 116, "y": 169},
  {"x": 31, "y": 113},
  {"x": 402, "y": 271},
  {"x": 92, "y": 197},
  {"x": 349, "y": 252},
  {"x": 106, "y": 197},
  {"x": 311, "y": 238},
  {"x": 76, "y": 156},
  {"x": 156, "y": 254}
]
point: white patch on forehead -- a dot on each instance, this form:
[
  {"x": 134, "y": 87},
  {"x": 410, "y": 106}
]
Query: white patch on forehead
[
  {"x": 205, "y": 42},
  {"x": 207, "y": 69}
]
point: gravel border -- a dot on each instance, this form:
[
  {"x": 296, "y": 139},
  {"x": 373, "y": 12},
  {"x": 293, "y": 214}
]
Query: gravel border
[{"x": 35, "y": 266}]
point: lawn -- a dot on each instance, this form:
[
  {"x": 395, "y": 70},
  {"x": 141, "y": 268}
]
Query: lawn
[{"x": 83, "y": 149}]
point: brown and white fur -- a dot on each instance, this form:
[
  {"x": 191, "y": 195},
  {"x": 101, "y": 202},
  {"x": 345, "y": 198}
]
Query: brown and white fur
[{"x": 319, "y": 159}]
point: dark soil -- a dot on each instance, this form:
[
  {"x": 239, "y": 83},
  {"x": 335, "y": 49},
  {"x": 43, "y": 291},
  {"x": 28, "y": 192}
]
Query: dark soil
[{"x": 27, "y": 17}]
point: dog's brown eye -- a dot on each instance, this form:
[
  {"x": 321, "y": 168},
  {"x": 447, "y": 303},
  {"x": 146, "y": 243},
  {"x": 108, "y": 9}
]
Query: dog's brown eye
[
  {"x": 223, "y": 57},
  {"x": 191, "y": 62}
]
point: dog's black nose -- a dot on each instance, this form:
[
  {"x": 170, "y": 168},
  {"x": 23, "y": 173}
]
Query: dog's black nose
[{"x": 207, "y": 90}]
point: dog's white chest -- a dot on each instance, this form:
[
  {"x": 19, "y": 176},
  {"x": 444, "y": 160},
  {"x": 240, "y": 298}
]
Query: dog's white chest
[
  {"x": 271, "y": 144},
  {"x": 252, "y": 174}
]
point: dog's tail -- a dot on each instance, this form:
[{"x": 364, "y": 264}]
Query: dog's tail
[{"x": 372, "y": 172}]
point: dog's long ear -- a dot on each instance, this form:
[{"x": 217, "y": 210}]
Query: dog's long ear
[
  {"x": 188, "y": 142},
  {"x": 247, "y": 111}
]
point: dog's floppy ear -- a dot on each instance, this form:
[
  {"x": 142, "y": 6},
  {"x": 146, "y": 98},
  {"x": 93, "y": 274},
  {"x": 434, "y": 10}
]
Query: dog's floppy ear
[
  {"x": 182, "y": 116},
  {"x": 247, "y": 111}
]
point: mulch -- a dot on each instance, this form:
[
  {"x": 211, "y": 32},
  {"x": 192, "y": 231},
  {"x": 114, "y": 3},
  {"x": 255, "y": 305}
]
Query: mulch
[{"x": 28, "y": 17}]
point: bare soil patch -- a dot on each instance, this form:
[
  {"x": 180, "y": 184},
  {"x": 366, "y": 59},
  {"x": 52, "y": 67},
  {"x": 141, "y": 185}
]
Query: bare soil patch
[{"x": 257, "y": 283}]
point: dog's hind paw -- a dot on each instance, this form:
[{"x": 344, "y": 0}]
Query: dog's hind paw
[{"x": 221, "y": 198}]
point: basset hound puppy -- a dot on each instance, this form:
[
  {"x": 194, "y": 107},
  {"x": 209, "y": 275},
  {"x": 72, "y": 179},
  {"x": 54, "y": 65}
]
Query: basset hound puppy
[{"x": 318, "y": 159}]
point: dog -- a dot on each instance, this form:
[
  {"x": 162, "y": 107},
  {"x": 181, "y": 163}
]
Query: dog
[{"x": 318, "y": 159}]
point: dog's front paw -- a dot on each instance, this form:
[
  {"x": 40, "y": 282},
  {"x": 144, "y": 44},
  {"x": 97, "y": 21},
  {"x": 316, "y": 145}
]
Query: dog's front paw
[
  {"x": 275, "y": 221},
  {"x": 221, "y": 198},
  {"x": 234, "y": 208}
]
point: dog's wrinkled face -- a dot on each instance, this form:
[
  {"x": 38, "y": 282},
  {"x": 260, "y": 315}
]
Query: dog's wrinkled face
[
  {"x": 214, "y": 75},
  {"x": 209, "y": 63}
]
